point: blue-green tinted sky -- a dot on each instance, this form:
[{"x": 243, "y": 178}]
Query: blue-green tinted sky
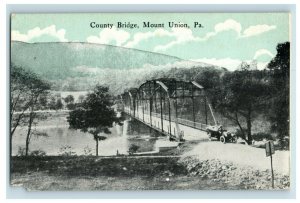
[{"x": 224, "y": 38}]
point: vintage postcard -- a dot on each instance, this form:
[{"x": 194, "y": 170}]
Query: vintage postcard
[{"x": 150, "y": 101}]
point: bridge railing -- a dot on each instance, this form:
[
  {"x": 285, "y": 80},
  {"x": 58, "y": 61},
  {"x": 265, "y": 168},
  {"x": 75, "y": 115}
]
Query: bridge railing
[{"x": 197, "y": 125}]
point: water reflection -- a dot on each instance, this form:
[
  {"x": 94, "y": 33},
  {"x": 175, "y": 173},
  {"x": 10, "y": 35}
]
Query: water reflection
[{"x": 60, "y": 137}]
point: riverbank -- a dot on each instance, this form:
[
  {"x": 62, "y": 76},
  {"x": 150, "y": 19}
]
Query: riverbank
[{"x": 137, "y": 173}]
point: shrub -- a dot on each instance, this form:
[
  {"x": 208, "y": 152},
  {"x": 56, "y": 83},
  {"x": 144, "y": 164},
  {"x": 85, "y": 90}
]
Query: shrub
[
  {"x": 238, "y": 133},
  {"x": 257, "y": 136},
  {"x": 261, "y": 136},
  {"x": 38, "y": 153},
  {"x": 87, "y": 151},
  {"x": 21, "y": 151},
  {"x": 66, "y": 150},
  {"x": 71, "y": 106},
  {"x": 133, "y": 149},
  {"x": 284, "y": 143}
]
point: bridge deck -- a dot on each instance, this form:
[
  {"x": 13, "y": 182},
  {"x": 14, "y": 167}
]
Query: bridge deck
[{"x": 191, "y": 130}]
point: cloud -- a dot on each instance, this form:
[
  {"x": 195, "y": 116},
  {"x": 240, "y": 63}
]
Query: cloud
[
  {"x": 180, "y": 35},
  {"x": 261, "y": 52},
  {"x": 183, "y": 35},
  {"x": 141, "y": 36},
  {"x": 229, "y": 24},
  {"x": 229, "y": 63},
  {"x": 257, "y": 30},
  {"x": 106, "y": 36},
  {"x": 38, "y": 32}
]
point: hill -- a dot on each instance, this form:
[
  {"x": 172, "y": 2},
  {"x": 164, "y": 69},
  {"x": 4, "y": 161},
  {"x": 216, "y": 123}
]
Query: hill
[{"x": 76, "y": 66}]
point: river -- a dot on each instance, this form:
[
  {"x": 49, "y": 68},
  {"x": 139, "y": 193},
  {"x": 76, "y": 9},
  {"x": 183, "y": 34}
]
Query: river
[{"x": 54, "y": 137}]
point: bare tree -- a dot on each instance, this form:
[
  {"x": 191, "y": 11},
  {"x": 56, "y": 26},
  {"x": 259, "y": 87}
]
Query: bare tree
[{"x": 26, "y": 90}]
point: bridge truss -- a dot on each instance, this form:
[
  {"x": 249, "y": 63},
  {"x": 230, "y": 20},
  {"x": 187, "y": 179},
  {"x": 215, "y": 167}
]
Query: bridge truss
[{"x": 171, "y": 101}]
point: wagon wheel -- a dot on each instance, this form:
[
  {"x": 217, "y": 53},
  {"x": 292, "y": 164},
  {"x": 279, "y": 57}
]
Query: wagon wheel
[
  {"x": 209, "y": 136},
  {"x": 222, "y": 139},
  {"x": 234, "y": 139}
]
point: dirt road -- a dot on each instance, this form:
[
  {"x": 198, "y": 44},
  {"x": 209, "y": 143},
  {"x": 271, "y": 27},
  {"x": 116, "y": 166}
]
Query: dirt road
[{"x": 241, "y": 155}]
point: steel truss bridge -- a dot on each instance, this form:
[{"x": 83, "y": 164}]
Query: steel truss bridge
[{"x": 175, "y": 108}]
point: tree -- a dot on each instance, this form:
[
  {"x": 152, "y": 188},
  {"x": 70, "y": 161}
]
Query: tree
[
  {"x": 70, "y": 102},
  {"x": 95, "y": 115},
  {"x": 243, "y": 95},
  {"x": 80, "y": 98},
  {"x": 279, "y": 82},
  {"x": 18, "y": 92},
  {"x": 69, "y": 99},
  {"x": 59, "y": 104},
  {"x": 210, "y": 79},
  {"x": 43, "y": 101},
  {"x": 52, "y": 103},
  {"x": 27, "y": 91},
  {"x": 39, "y": 89},
  {"x": 71, "y": 106},
  {"x": 55, "y": 103}
]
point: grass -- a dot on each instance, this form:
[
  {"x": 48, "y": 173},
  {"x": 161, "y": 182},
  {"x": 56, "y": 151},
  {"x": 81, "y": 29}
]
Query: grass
[
  {"x": 92, "y": 173},
  {"x": 41, "y": 181},
  {"x": 94, "y": 166}
]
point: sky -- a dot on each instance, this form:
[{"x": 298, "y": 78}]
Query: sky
[{"x": 225, "y": 39}]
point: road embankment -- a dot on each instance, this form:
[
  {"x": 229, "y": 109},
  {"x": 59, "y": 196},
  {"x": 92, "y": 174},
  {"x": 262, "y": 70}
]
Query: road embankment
[
  {"x": 205, "y": 166},
  {"x": 240, "y": 165}
]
